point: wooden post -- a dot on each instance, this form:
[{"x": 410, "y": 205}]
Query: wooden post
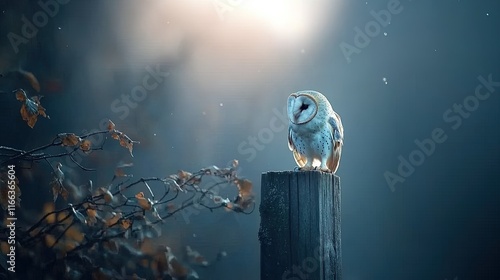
[{"x": 300, "y": 226}]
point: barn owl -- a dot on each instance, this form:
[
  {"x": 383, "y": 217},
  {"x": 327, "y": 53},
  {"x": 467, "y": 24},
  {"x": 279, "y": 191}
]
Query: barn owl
[{"x": 315, "y": 131}]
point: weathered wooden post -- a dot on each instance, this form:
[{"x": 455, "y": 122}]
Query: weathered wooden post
[{"x": 300, "y": 226}]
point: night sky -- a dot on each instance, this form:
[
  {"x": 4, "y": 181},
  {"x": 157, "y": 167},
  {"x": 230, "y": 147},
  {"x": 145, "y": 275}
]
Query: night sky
[{"x": 416, "y": 82}]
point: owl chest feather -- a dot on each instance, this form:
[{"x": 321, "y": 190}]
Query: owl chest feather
[{"x": 314, "y": 139}]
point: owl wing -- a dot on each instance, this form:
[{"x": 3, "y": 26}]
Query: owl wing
[
  {"x": 337, "y": 131},
  {"x": 300, "y": 159}
]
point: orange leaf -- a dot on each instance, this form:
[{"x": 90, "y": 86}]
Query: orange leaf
[
  {"x": 244, "y": 187},
  {"x": 108, "y": 196},
  {"x": 74, "y": 234},
  {"x": 50, "y": 240},
  {"x": 85, "y": 145},
  {"x": 21, "y": 95},
  {"x": 111, "y": 125},
  {"x": 143, "y": 202},
  {"x": 69, "y": 139},
  {"x": 126, "y": 223},
  {"x": 114, "y": 219},
  {"x": 116, "y": 135},
  {"x": 49, "y": 208}
]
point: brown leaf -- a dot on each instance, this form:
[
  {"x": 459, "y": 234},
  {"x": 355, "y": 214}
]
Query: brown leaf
[
  {"x": 114, "y": 219},
  {"x": 31, "y": 79},
  {"x": 49, "y": 207},
  {"x": 85, "y": 146},
  {"x": 108, "y": 196},
  {"x": 245, "y": 187},
  {"x": 69, "y": 139},
  {"x": 55, "y": 190},
  {"x": 21, "y": 95},
  {"x": 126, "y": 223},
  {"x": 111, "y": 125},
  {"x": 143, "y": 202},
  {"x": 58, "y": 189},
  {"x": 64, "y": 193},
  {"x": 116, "y": 135},
  {"x": 28, "y": 117},
  {"x": 120, "y": 173},
  {"x": 75, "y": 234},
  {"x": 128, "y": 143},
  {"x": 31, "y": 108},
  {"x": 147, "y": 247},
  {"x": 50, "y": 240}
]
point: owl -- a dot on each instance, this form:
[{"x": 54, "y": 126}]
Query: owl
[{"x": 315, "y": 132}]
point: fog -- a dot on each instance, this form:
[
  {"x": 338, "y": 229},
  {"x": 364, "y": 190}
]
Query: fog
[{"x": 203, "y": 82}]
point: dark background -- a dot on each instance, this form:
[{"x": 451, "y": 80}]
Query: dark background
[{"x": 228, "y": 77}]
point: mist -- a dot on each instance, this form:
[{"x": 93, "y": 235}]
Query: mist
[{"x": 201, "y": 83}]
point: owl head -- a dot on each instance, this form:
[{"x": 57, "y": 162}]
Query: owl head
[{"x": 304, "y": 105}]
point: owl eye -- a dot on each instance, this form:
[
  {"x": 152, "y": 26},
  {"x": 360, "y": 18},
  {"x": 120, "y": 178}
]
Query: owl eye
[{"x": 304, "y": 107}]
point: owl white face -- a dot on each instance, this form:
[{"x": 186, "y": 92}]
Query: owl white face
[{"x": 301, "y": 108}]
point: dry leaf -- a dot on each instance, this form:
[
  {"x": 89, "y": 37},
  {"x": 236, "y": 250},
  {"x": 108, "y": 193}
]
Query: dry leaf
[
  {"x": 106, "y": 194},
  {"x": 114, "y": 219},
  {"x": 126, "y": 223},
  {"x": 21, "y": 95},
  {"x": 49, "y": 207},
  {"x": 85, "y": 146},
  {"x": 120, "y": 173},
  {"x": 75, "y": 234},
  {"x": 58, "y": 189},
  {"x": 116, "y": 135},
  {"x": 111, "y": 125},
  {"x": 64, "y": 193},
  {"x": 244, "y": 187},
  {"x": 147, "y": 247},
  {"x": 128, "y": 143},
  {"x": 31, "y": 108},
  {"x": 50, "y": 240},
  {"x": 55, "y": 190},
  {"x": 143, "y": 202},
  {"x": 69, "y": 139}
]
